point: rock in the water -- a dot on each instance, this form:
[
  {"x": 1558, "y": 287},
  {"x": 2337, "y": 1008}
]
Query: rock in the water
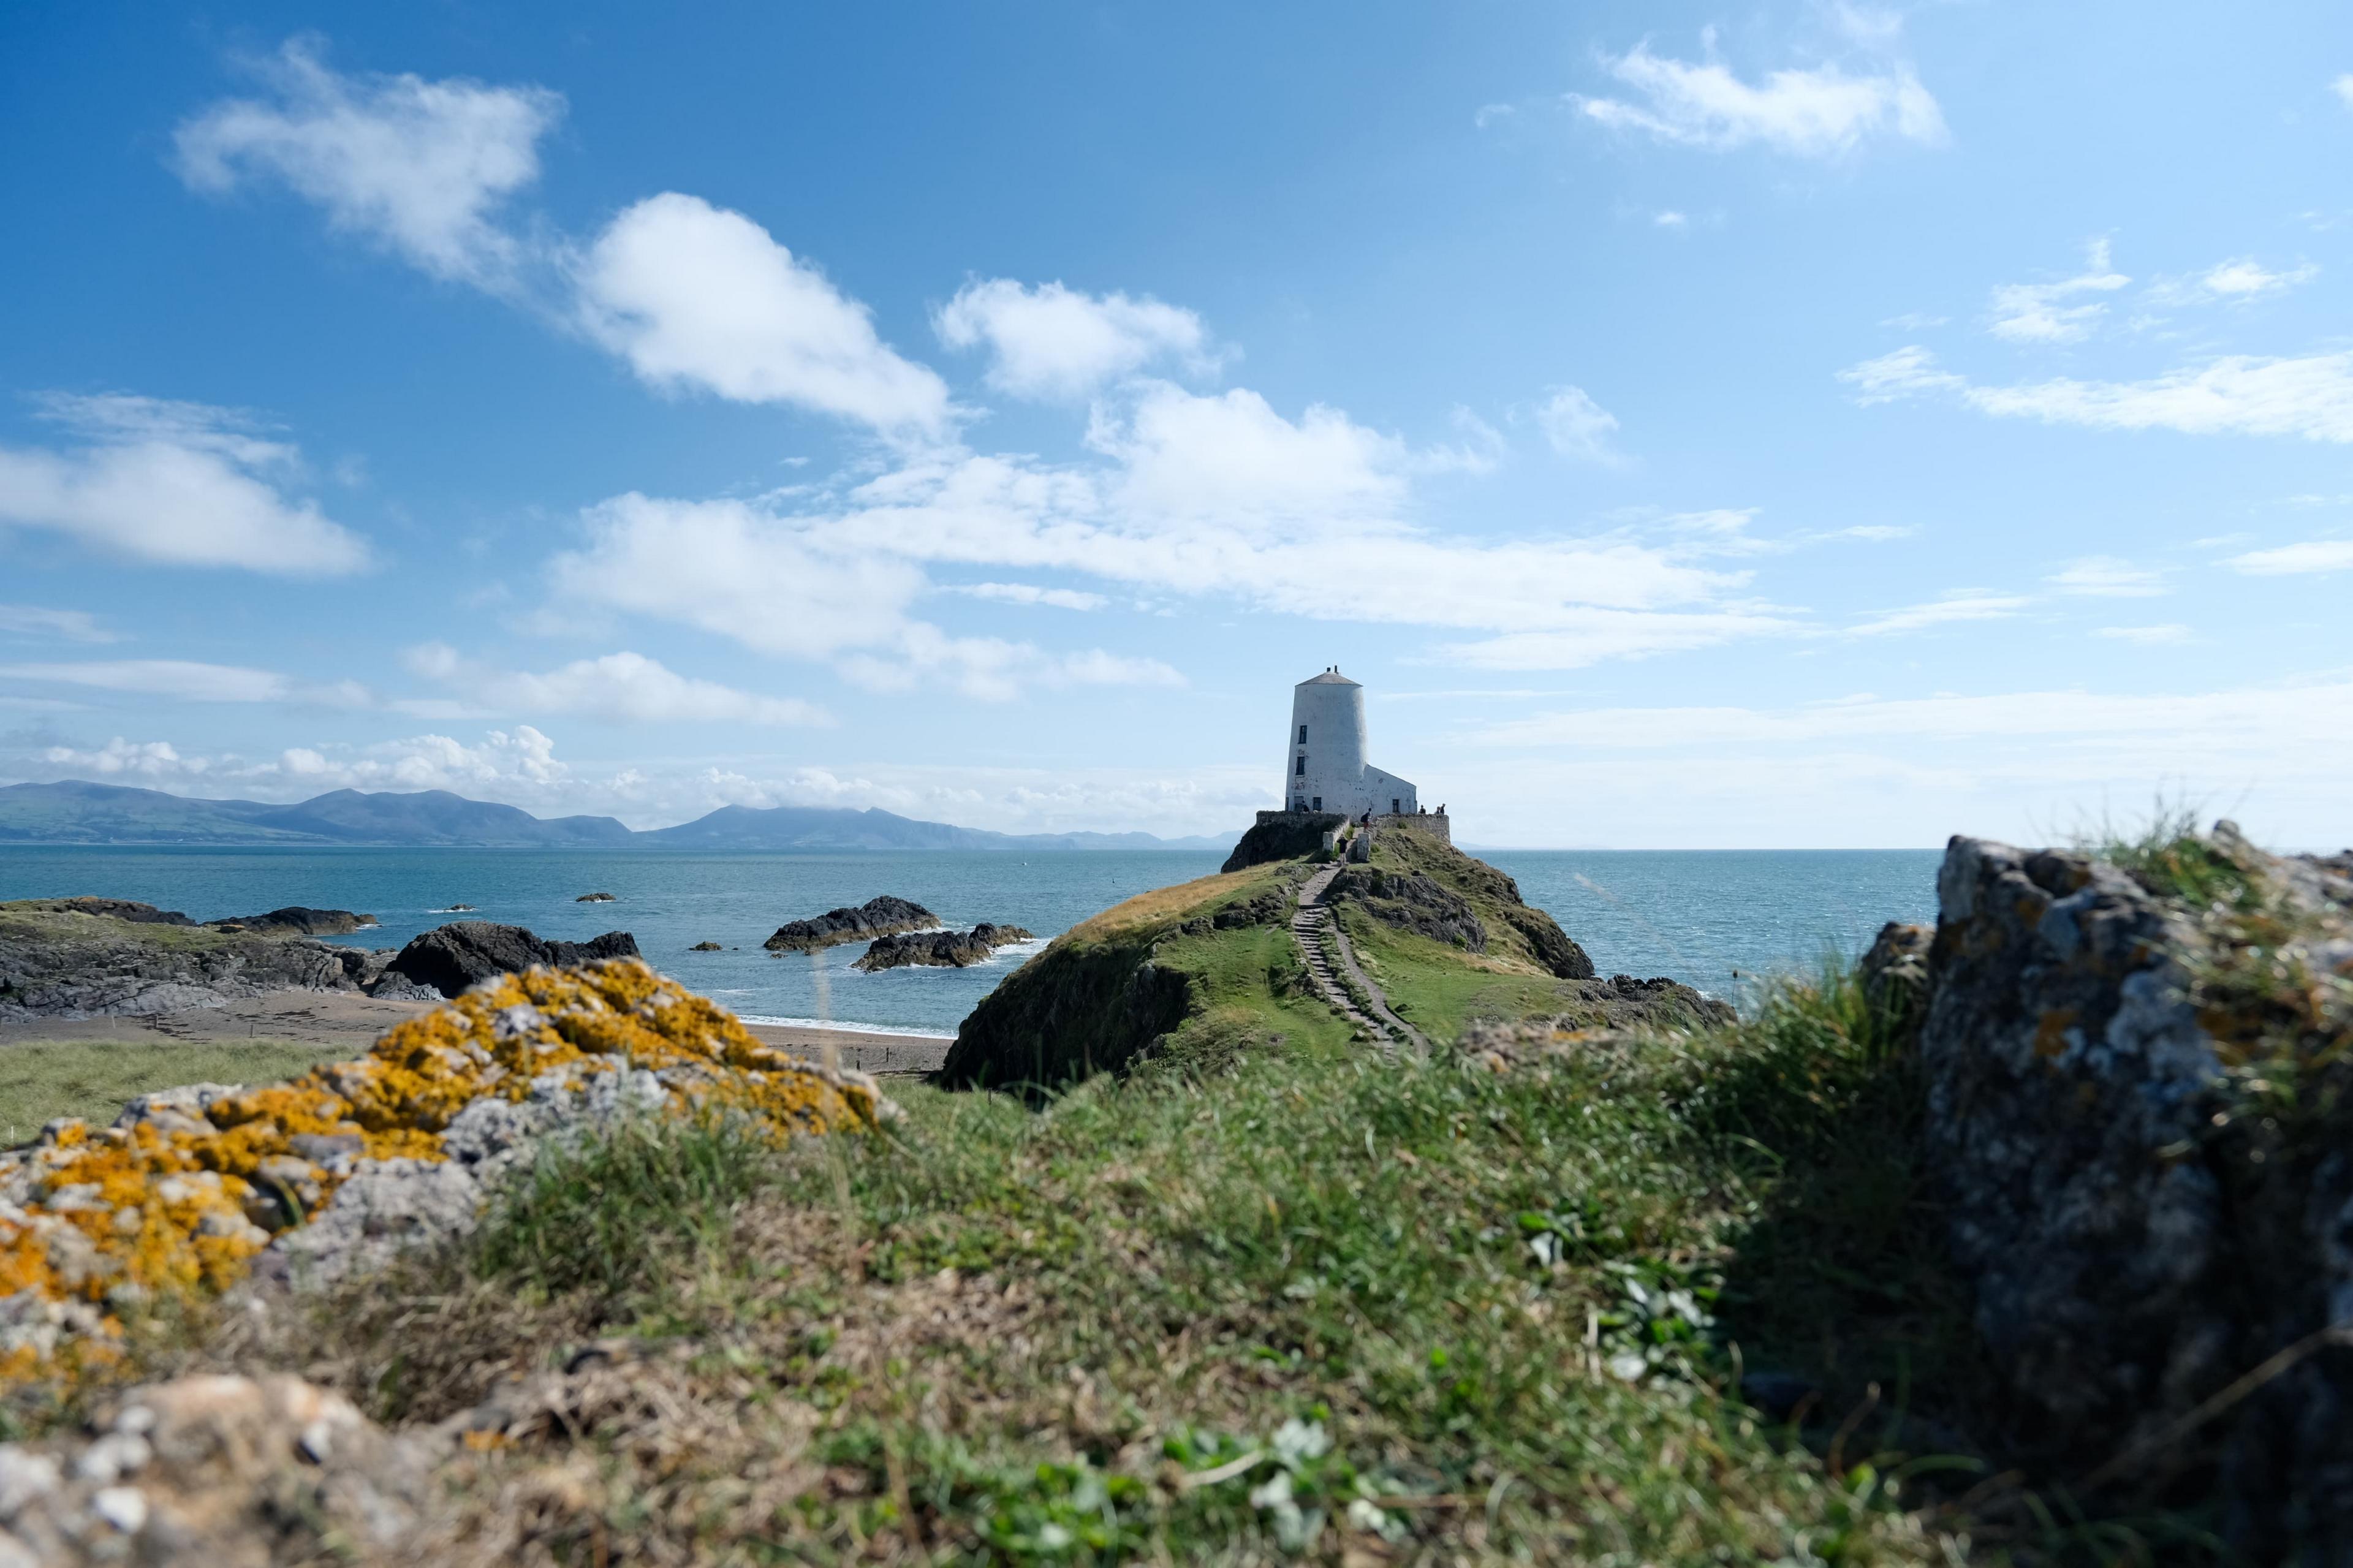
[
  {"x": 705, "y": 947},
  {"x": 449, "y": 959},
  {"x": 59, "y": 959},
  {"x": 218, "y": 1469},
  {"x": 2145, "y": 1214},
  {"x": 957, "y": 949},
  {"x": 885, "y": 916},
  {"x": 296, "y": 921},
  {"x": 595, "y": 898}
]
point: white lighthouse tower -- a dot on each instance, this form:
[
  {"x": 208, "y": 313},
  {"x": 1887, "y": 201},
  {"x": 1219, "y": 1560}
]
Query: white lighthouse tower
[{"x": 1323, "y": 765}]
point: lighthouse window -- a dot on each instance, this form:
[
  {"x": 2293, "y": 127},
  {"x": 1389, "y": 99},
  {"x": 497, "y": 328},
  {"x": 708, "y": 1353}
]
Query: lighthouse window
[
  {"x": 1302, "y": 734},
  {"x": 1300, "y": 770}
]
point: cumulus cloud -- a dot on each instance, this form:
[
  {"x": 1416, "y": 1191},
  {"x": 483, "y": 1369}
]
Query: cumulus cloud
[
  {"x": 1055, "y": 342},
  {"x": 62, "y": 626},
  {"x": 1193, "y": 496},
  {"x": 2243, "y": 395},
  {"x": 2312, "y": 555},
  {"x": 1576, "y": 426},
  {"x": 421, "y": 167},
  {"x": 695, "y": 297},
  {"x": 1819, "y": 112},
  {"x": 626, "y": 686},
  {"x": 2107, "y": 577},
  {"x": 518, "y": 766},
  {"x": 176, "y": 483},
  {"x": 2034, "y": 312},
  {"x": 187, "y": 681}
]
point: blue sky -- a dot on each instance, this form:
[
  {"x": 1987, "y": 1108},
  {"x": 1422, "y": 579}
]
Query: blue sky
[{"x": 1793, "y": 424}]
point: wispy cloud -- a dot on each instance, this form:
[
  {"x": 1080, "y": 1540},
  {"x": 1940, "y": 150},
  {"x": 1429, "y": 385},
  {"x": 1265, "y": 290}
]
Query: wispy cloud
[
  {"x": 2311, "y": 557},
  {"x": 190, "y": 681},
  {"x": 65, "y": 625},
  {"x": 1576, "y": 426},
  {"x": 623, "y": 686},
  {"x": 2243, "y": 395},
  {"x": 1819, "y": 113},
  {"x": 1960, "y": 605},
  {"x": 2035, "y": 313},
  {"x": 2234, "y": 282},
  {"x": 2170, "y": 632},
  {"x": 2107, "y": 577}
]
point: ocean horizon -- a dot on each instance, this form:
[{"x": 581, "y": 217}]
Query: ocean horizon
[{"x": 1720, "y": 920}]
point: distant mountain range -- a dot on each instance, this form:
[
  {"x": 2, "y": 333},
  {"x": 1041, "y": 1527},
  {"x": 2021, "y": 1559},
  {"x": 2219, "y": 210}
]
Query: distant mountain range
[{"x": 74, "y": 812}]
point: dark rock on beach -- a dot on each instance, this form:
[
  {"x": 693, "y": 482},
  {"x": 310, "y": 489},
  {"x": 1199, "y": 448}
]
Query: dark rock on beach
[
  {"x": 449, "y": 959},
  {"x": 79, "y": 958},
  {"x": 296, "y": 921},
  {"x": 957, "y": 949},
  {"x": 885, "y": 916}
]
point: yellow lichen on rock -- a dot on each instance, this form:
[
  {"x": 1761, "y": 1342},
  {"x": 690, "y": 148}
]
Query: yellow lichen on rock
[{"x": 179, "y": 1196}]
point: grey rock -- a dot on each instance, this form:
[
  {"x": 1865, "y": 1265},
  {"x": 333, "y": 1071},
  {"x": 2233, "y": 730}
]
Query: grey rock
[
  {"x": 885, "y": 916},
  {"x": 450, "y": 960},
  {"x": 955, "y": 948},
  {"x": 295, "y": 920},
  {"x": 62, "y": 962},
  {"x": 2132, "y": 1247}
]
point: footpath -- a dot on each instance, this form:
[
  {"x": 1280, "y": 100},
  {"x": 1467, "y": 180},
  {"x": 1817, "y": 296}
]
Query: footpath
[{"x": 1325, "y": 947}]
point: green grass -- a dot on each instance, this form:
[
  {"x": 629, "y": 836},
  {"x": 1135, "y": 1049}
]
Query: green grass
[
  {"x": 1395, "y": 1308},
  {"x": 91, "y": 1078},
  {"x": 1439, "y": 988}
]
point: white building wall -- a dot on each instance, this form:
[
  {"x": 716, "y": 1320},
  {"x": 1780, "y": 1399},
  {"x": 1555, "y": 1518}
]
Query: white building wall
[{"x": 1324, "y": 754}]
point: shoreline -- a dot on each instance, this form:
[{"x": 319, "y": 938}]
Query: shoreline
[{"x": 344, "y": 1025}]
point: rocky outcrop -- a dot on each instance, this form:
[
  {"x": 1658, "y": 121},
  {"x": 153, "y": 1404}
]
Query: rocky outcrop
[
  {"x": 113, "y": 909},
  {"x": 60, "y": 960},
  {"x": 296, "y": 921},
  {"x": 1283, "y": 835},
  {"x": 449, "y": 959},
  {"x": 1074, "y": 1011},
  {"x": 595, "y": 898},
  {"x": 885, "y": 916},
  {"x": 706, "y": 947},
  {"x": 2138, "y": 1111},
  {"x": 1412, "y": 902},
  {"x": 218, "y": 1469},
  {"x": 955, "y": 949}
]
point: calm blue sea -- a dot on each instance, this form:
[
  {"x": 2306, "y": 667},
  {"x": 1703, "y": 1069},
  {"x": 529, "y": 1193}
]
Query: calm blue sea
[{"x": 1712, "y": 919}]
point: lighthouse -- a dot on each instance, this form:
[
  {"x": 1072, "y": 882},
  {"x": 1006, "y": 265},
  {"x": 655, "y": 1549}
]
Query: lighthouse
[{"x": 1324, "y": 758}]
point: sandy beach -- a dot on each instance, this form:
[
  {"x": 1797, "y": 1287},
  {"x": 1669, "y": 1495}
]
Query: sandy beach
[{"x": 342, "y": 1025}]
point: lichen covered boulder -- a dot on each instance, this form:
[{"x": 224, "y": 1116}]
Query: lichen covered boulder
[
  {"x": 182, "y": 1193},
  {"x": 2137, "y": 1084}
]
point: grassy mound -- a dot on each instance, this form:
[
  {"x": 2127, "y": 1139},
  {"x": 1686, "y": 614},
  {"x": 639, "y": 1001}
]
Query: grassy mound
[{"x": 1315, "y": 1302}]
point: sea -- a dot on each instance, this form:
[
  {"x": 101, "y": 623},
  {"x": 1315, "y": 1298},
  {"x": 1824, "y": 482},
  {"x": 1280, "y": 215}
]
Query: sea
[{"x": 1722, "y": 920}]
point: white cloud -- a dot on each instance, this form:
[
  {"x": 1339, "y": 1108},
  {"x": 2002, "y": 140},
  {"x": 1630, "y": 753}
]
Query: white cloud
[
  {"x": 1670, "y": 219},
  {"x": 2170, "y": 632},
  {"x": 1962, "y": 604},
  {"x": 2230, "y": 282},
  {"x": 420, "y": 166},
  {"x": 189, "y": 681},
  {"x": 2343, "y": 88},
  {"x": 1907, "y": 371},
  {"x": 1195, "y": 496},
  {"x": 518, "y": 766},
  {"x": 626, "y": 686},
  {"x": 2106, "y": 576},
  {"x": 176, "y": 483},
  {"x": 1057, "y": 343},
  {"x": 1030, "y": 594},
  {"x": 2239, "y": 394},
  {"x": 697, "y": 297},
  {"x": 2032, "y": 313},
  {"x": 1819, "y": 112},
  {"x": 2312, "y": 555},
  {"x": 1913, "y": 320},
  {"x": 65, "y": 625},
  {"x": 1576, "y": 426}
]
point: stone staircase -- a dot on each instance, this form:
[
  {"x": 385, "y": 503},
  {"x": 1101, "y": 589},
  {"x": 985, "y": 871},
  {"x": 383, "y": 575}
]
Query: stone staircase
[{"x": 1323, "y": 947}]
